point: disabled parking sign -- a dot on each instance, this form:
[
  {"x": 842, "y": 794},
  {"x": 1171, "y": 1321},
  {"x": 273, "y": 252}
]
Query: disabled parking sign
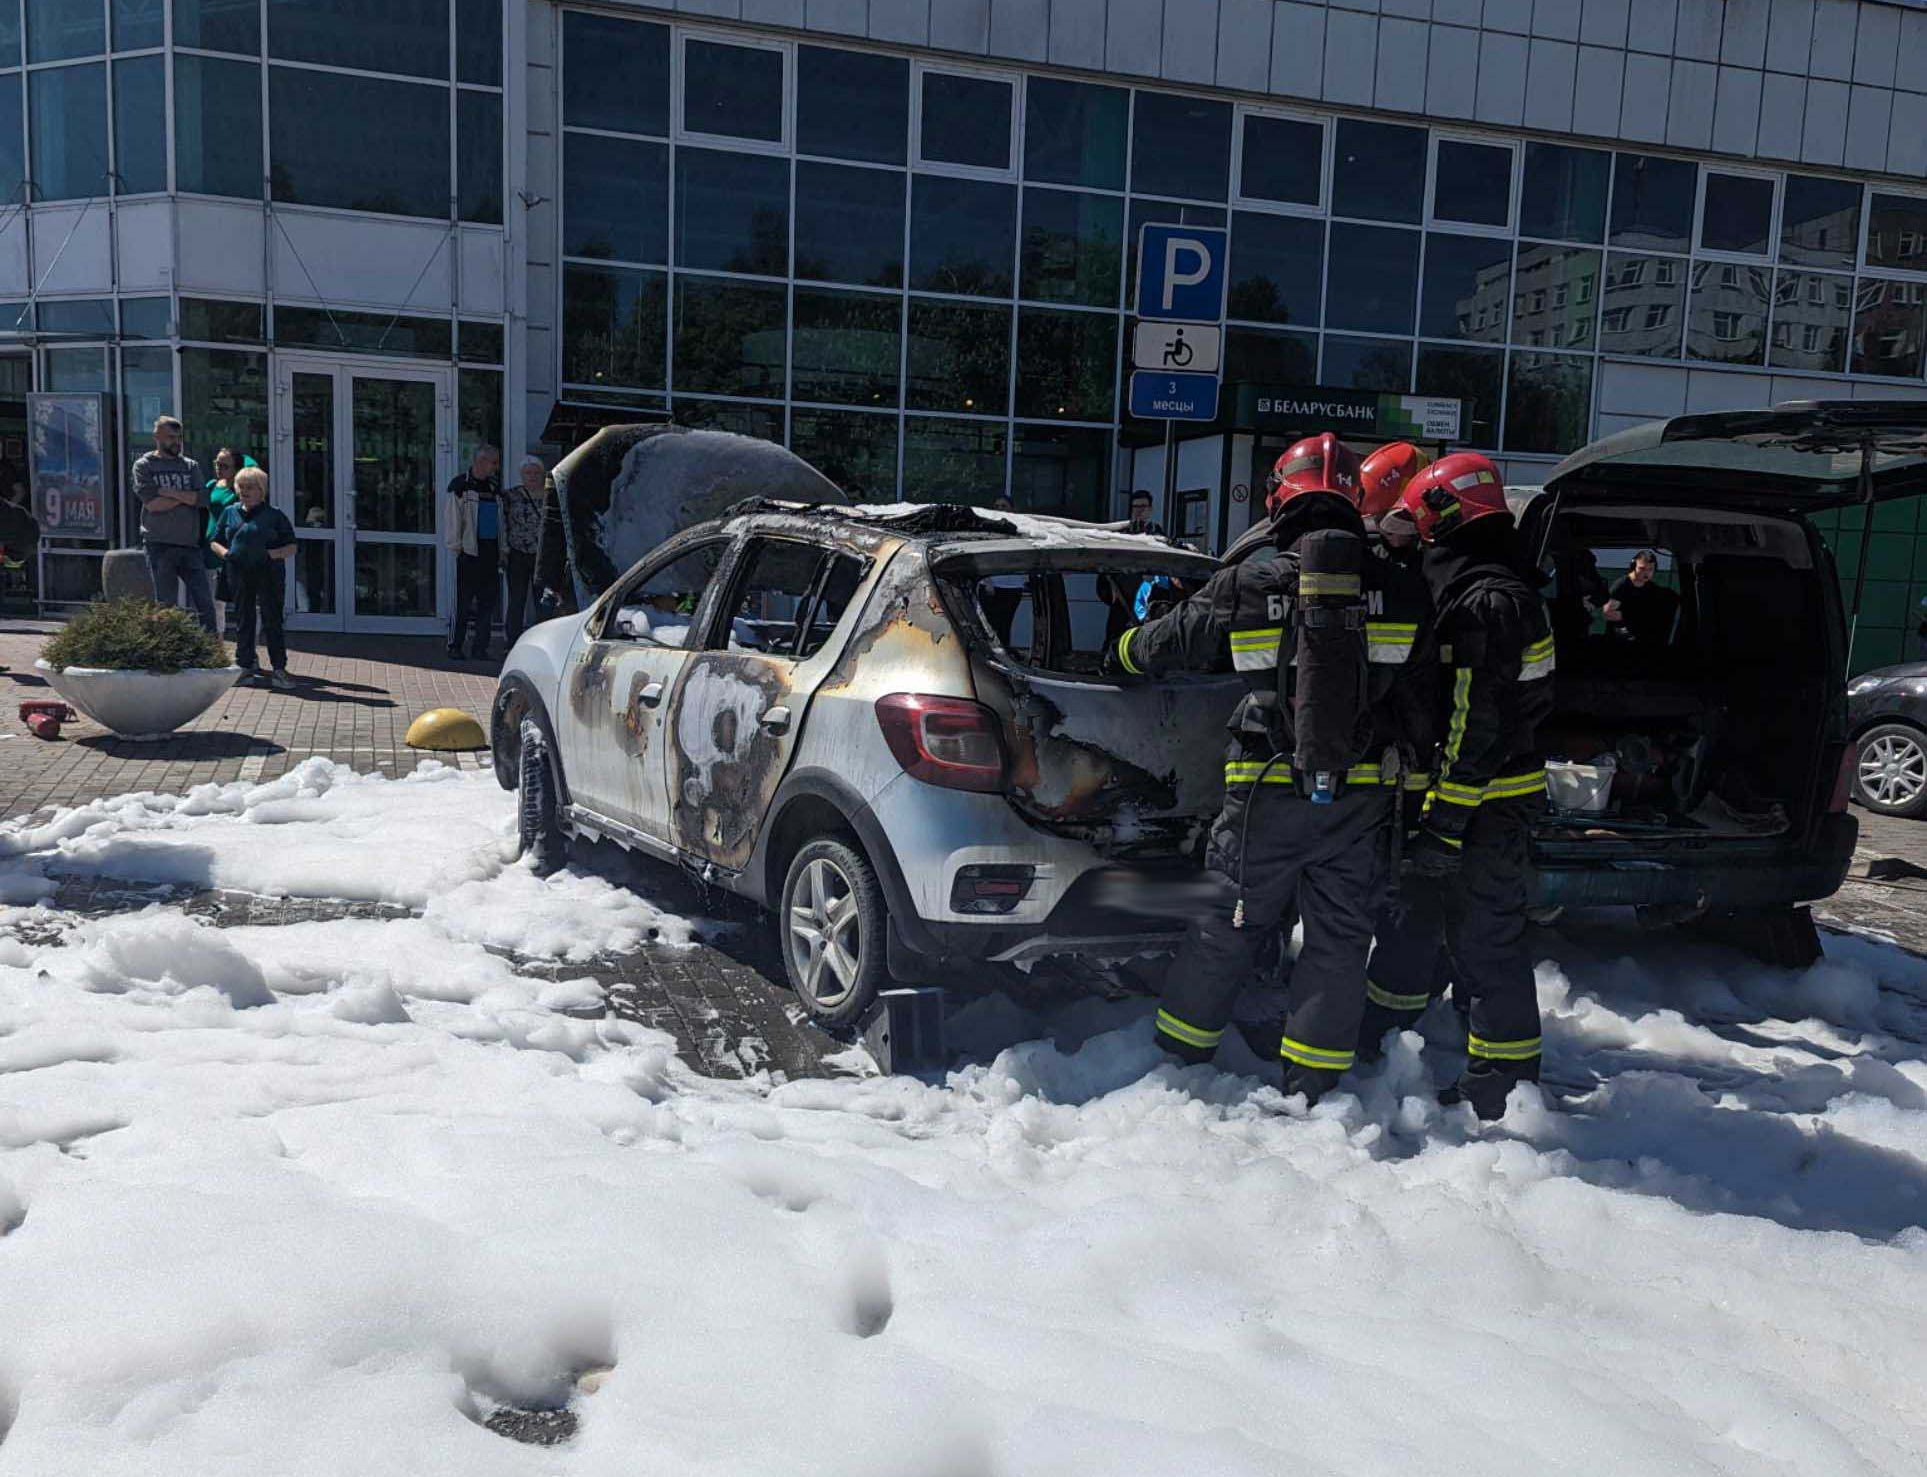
[{"x": 1177, "y": 349}]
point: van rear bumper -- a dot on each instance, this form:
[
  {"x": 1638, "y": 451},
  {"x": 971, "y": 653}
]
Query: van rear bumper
[{"x": 1724, "y": 873}]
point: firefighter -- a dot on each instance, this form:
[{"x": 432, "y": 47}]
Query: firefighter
[
  {"x": 1470, "y": 854},
  {"x": 1304, "y": 813}
]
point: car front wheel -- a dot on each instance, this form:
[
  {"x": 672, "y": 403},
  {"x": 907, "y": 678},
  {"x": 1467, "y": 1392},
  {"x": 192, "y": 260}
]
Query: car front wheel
[
  {"x": 834, "y": 925},
  {"x": 1890, "y": 774}
]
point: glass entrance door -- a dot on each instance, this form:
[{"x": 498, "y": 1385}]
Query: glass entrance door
[{"x": 368, "y": 450}]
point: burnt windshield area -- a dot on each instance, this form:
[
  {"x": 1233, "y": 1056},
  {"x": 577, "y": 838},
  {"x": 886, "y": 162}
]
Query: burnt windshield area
[
  {"x": 1696, "y": 664},
  {"x": 1063, "y": 620}
]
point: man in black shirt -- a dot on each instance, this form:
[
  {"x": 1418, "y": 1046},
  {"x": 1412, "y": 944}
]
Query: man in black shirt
[
  {"x": 1639, "y": 609},
  {"x": 1141, "y": 520}
]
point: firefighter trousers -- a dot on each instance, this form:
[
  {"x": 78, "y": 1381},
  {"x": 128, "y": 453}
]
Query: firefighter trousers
[
  {"x": 1478, "y": 920},
  {"x": 1331, "y": 858}
]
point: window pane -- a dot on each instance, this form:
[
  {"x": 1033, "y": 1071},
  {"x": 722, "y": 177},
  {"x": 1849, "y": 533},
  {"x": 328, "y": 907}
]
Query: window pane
[
  {"x": 139, "y": 24},
  {"x": 1066, "y": 364},
  {"x": 367, "y": 333},
  {"x": 1467, "y": 286},
  {"x": 1163, "y": 213},
  {"x": 1564, "y": 193},
  {"x": 479, "y": 414},
  {"x": 63, "y": 28},
  {"x": 613, "y": 327},
  {"x": 1548, "y": 402},
  {"x": 1473, "y": 184},
  {"x": 333, "y": 141},
  {"x": 1074, "y": 133},
  {"x": 729, "y": 337},
  {"x": 1642, "y": 305},
  {"x": 1277, "y": 268},
  {"x": 736, "y": 91},
  {"x": 478, "y": 156},
  {"x": 1738, "y": 215},
  {"x": 959, "y": 357},
  {"x": 953, "y": 461},
  {"x": 764, "y": 422},
  {"x": 1819, "y": 221},
  {"x": 615, "y": 198},
  {"x": 93, "y": 316},
  {"x": 732, "y": 211},
  {"x": 146, "y": 317},
  {"x": 963, "y": 234},
  {"x": 849, "y": 224},
  {"x": 9, "y": 35},
  {"x": 408, "y": 36},
  {"x": 217, "y": 127},
  {"x": 1812, "y": 315},
  {"x": 1061, "y": 470},
  {"x": 1897, "y": 233},
  {"x": 1181, "y": 146},
  {"x": 618, "y": 73},
  {"x": 1887, "y": 325},
  {"x": 1378, "y": 171},
  {"x": 13, "y": 156},
  {"x": 479, "y": 343},
  {"x": 1555, "y": 296},
  {"x": 857, "y": 452},
  {"x": 69, "y": 132},
  {"x": 83, "y": 371},
  {"x": 140, "y": 125},
  {"x": 1474, "y": 377},
  {"x": 966, "y": 120},
  {"x": 1652, "y": 202},
  {"x": 224, "y": 399},
  {"x": 1072, "y": 247},
  {"x": 1283, "y": 159},
  {"x": 222, "y": 323},
  {"x": 218, "y": 25},
  {"x": 1366, "y": 363},
  {"x": 1726, "y": 322},
  {"x": 852, "y": 104},
  {"x": 1372, "y": 279},
  {"x": 846, "y": 347},
  {"x": 1270, "y": 357},
  {"x": 478, "y": 41}
]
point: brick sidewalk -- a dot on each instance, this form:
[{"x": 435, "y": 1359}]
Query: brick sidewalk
[{"x": 354, "y": 698}]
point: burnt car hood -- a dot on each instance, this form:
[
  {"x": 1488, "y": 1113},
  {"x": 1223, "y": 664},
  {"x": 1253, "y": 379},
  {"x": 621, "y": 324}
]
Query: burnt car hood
[
  {"x": 629, "y": 488},
  {"x": 1799, "y": 458}
]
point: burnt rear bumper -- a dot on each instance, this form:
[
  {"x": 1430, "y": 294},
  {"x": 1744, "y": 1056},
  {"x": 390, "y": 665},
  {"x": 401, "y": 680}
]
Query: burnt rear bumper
[{"x": 1719, "y": 873}]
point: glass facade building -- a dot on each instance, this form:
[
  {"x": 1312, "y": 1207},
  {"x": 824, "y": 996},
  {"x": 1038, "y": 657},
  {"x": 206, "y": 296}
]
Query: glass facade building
[{"x": 899, "y": 235}]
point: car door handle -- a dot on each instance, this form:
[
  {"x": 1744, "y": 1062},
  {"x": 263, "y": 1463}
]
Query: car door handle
[
  {"x": 650, "y": 695},
  {"x": 777, "y": 720}
]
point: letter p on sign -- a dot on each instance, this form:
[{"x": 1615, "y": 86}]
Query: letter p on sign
[{"x": 1187, "y": 262}]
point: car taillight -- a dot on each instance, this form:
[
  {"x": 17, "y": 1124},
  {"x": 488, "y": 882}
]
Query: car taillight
[
  {"x": 944, "y": 741},
  {"x": 1843, "y": 781}
]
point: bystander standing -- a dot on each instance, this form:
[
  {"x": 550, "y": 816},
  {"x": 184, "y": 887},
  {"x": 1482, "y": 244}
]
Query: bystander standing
[
  {"x": 253, "y": 542},
  {"x": 1640, "y": 609},
  {"x": 523, "y": 507},
  {"x": 472, "y": 528},
  {"x": 167, "y": 484}
]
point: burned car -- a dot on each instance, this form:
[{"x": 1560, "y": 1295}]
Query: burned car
[{"x": 886, "y": 725}]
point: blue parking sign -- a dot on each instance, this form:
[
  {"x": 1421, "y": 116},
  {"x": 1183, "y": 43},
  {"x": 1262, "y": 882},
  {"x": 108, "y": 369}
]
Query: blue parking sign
[
  {"x": 1181, "y": 272},
  {"x": 1156, "y": 396}
]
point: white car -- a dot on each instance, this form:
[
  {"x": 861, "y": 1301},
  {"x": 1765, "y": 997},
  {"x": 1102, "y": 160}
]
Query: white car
[{"x": 886, "y": 725}]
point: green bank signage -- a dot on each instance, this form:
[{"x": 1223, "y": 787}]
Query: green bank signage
[{"x": 1366, "y": 414}]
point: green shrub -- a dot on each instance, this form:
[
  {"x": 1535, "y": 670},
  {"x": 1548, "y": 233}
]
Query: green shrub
[{"x": 134, "y": 635}]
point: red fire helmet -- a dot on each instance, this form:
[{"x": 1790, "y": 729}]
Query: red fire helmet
[
  {"x": 1384, "y": 475},
  {"x": 1454, "y": 491},
  {"x": 1320, "y": 463}
]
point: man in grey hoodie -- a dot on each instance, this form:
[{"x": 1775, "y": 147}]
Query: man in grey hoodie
[{"x": 173, "y": 499}]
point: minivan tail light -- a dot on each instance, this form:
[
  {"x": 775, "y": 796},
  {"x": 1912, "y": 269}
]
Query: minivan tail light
[
  {"x": 945, "y": 741},
  {"x": 1843, "y": 781}
]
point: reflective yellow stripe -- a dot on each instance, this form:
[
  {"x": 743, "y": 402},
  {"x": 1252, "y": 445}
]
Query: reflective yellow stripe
[
  {"x": 1184, "y": 1031},
  {"x": 1316, "y": 585},
  {"x": 1538, "y": 661},
  {"x": 1255, "y": 636},
  {"x": 1258, "y": 660},
  {"x": 1255, "y": 649},
  {"x": 1389, "y": 641},
  {"x": 1124, "y": 652},
  {"x": 1517, "y": 786},
  {"x": 1315, "y": 1056},
  {"x": 1395, "y": 1002},
  {"x": 1249, "y": 771},
  {"x": 1418, "y": 781},
  {"x": 1390, "y": 629},
  {"x": 1467, "y": 795},
  {"x": 1503, "y": 1051},
  {"x": 1364, "y": 774},
  {"x": 1461, "y": 710}
]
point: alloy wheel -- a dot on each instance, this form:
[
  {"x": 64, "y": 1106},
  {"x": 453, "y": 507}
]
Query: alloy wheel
[
  {"x": 826, "y": 946},
  {"x": 1893, "y": 770}
]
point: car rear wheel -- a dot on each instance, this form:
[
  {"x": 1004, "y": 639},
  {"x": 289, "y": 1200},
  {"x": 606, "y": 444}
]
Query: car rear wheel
[
  {"x": 1890, "y": 774},
  {"x": 834, "y": 925}
]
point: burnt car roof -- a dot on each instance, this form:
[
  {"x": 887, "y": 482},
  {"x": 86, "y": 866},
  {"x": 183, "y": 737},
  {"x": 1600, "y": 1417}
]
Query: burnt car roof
[{"x": 959, "y": 524}]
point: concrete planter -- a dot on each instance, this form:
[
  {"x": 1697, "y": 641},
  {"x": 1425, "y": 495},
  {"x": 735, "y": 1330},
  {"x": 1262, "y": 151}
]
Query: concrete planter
[{"x": 140, "y": 705}]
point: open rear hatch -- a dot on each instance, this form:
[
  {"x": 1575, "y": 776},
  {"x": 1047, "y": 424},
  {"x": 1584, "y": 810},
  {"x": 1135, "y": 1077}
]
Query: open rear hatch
[{"x": 1137, "y": 770}]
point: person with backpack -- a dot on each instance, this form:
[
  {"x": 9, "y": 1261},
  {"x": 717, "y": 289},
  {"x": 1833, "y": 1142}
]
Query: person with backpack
[{"x": 1306, "y": 810}]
